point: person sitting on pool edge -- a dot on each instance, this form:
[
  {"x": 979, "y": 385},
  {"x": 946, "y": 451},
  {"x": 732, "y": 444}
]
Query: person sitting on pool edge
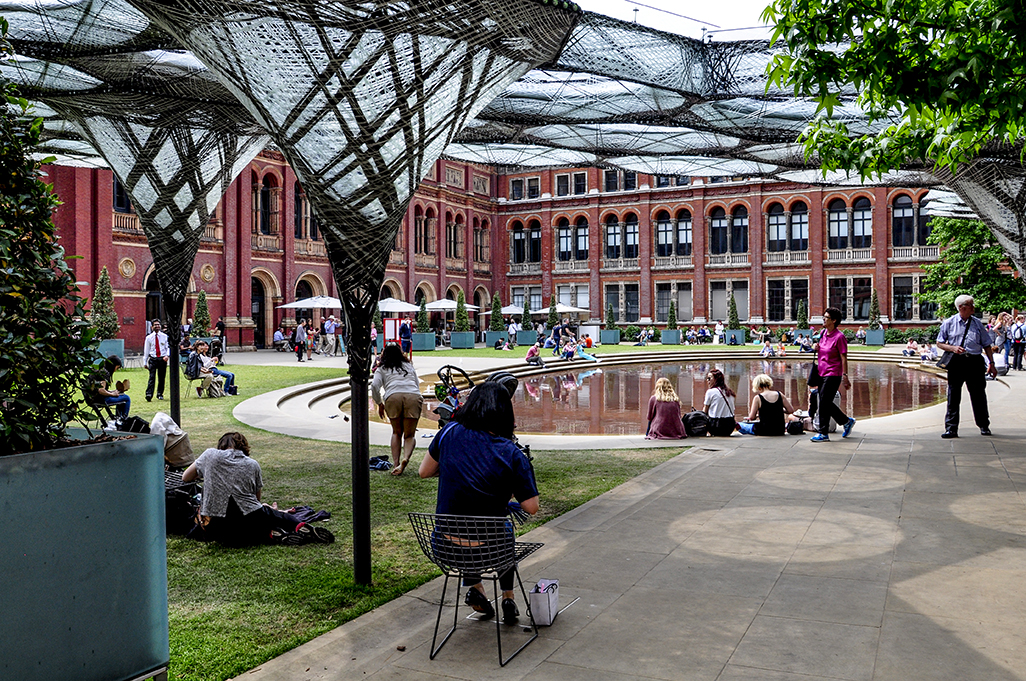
[{"x": 767, "y": 415}]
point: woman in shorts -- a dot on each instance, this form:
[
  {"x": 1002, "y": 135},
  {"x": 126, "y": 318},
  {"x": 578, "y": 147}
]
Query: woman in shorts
[{"x": 396, "y": 391}]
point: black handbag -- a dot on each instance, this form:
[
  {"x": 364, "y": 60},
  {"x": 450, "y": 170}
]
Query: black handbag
[
  {"x": 815, "y": 380},
  {"x": 945, "y": 359}
]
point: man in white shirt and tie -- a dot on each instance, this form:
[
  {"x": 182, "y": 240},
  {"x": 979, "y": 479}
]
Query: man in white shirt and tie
[{"x": 155, "y": 355}]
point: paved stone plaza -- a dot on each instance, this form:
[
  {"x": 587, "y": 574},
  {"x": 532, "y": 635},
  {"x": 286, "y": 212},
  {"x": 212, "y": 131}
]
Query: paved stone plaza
[{"x": 893, "y": 555}]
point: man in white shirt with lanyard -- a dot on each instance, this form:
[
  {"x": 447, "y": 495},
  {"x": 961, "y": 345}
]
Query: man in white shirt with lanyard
[
  {"x": 155, "y": 355},
  {"x": 966, "y": 337}
]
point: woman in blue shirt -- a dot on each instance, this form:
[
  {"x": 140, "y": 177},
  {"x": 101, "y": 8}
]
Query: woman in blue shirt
[{"x": 480, "y": 469}]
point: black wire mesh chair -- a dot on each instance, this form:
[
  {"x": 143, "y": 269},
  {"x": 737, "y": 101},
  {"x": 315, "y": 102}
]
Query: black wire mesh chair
[{"x": 472, "y": 545}]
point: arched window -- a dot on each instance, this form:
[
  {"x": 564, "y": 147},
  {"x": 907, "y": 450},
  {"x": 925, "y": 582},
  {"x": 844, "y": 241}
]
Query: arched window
[
  {"x": 460, "y": 237},
  {"x": 612, "y": 237},
  {"x": 799, "y": 227},
  {"x": 582, "y": 238},
  {"x": 518, "y": 243},
  {"x": 450, "y": 236},
  {"x": 903, "y": 224},
  {"x": 684, "y": 232},
  {"x": 300, "y": 214},
  {"x": 266, "y": 209},
  {"x": 418, "y": 230},
  {"x": 315, "y": 231},
  {"x": 837, "y": 224},
  {"x": 486, "y": 242},
  {"x": 630, "y": 236},
  {"x": 664, "y": 235},
  {"x": 739, "y": 230},
  {"x": 776, "y": 229},
  {"x": 534, "y": 242},
  {"x": 862, "y": 223},
  {"x": 430, "y": 222},
  {"x": 565, "y": 239},
  {"x": 718, "y": 231}
]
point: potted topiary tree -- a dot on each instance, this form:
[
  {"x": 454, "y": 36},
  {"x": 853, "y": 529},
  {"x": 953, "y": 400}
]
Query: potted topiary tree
[
  {"x": 105, "y": 318},
  {"x": 527, "y": 335},
  {"x": 462, "y": 338},
  {"x": 875, "y": 334},
  {"x": 91, "y": 587},
  {"x": 423, "y": 338},
  {"x": 802, "y": 321},
  {"x": 553, "y": 320},
  {"x": 496, "y": 329},
  {"x": 201, "y": 318},
  {"x": 734, "y": 334},
  {"x": 611, "y": 334},
  {"x": 671, "y": 334}
]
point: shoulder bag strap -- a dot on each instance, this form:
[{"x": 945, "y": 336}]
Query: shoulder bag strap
[{"x": 966, "y": 333}]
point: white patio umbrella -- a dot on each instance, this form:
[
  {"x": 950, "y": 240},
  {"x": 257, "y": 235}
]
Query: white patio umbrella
[
  {"x": 393, "y": 305},
  {"x": 568, "y": 309},
  {"x": 508, "y": 309},
  {"x": 320, "y": 302},
  {"x": 446, "y": 305}
]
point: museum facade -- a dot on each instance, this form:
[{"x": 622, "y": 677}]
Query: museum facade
[{"x": 591, "y": 237}]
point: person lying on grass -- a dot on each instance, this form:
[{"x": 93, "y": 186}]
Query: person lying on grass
[{"x": 231, "y": 512}]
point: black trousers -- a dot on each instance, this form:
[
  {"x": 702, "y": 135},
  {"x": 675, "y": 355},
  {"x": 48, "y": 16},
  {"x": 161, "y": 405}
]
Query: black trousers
[
  {"x": 237, "y": 529},
  {"x": 970, "y": 370},
  {"x": 158, "y": 372},
  {"x": 1017, "y": 350},
  {"x": 827, "y": 408}
]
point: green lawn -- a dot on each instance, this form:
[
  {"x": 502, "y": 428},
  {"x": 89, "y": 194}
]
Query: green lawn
[{"x": 232, "y": 609}]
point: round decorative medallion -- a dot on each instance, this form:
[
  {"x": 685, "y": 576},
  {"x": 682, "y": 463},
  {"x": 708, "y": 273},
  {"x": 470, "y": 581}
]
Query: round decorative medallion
[
  {"x": 207, "y": 273},
  {"x": 127, "y": 268}
]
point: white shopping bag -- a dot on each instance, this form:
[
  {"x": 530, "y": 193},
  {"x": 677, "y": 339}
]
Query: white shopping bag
[{"x": 545, "y": 601}]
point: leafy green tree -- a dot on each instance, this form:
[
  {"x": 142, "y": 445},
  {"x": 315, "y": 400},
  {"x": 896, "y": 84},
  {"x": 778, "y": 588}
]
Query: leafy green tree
[
  {"x": 376, "y": 320},
  {"x": 671, "y": 317},
  {"x": 874, "y": 312},
  {"x": 610, "y": 318},
  {"x": 201, "y": 317},
  {"x": 496, "y": 322},
  {"x": 103, "y": 314},
  {"x": 553, "y": 320},
  {"x": 732, "y": 321},
  {"x": 462, "y": 321},
  {"x": 423, "y": 324},
  {"x": 802, "y": 321},
  {"x": 48, "y": 346},
  {"x": 943, "y": 79},
  {"x": 525, "y": 320},
  {"x": 970, "y": 262}
]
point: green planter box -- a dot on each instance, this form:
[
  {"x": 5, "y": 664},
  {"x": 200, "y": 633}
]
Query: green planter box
[
  {"x": 874, "y": 337},
  {"x": 671, "y": 337},
  {"x": 734, "y": 333},
  {"x": 461, "y": 340},
  {"x": 610, "y": 336},
  {"x": 423, "y": 342},
  {"x": 113, "y": 346},
  {"x": 527, "y": 337},
  {"x": 492, "y": 336},
  {"x": 82, "y": 540}
]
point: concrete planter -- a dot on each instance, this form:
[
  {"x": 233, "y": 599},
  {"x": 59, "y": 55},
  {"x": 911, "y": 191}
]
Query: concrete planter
[
  {"x": 874, "y": 337},
  {"x": 739, "y": 334},
  {"x": 461, "y": 340},
  {"x": 83, "y": 546},
  {"x": 423, "y": 342},
  {"x": 113, "y": 346},
  {"x": 527, "y": 337},
  {"x": 670, "y": 337},
  {"x": 492, "y": 336},
  {"x": 610, "y": 336}
]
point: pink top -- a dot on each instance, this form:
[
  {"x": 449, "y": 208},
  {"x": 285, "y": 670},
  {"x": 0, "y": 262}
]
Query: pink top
[
  {"x": 831, "y": 347},
  {"x": 532, "y": 352}
]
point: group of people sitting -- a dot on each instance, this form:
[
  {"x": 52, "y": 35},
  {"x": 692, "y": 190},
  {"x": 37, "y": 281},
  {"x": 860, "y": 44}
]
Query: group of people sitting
[
  {"x": 201, "y": 366},
  {"x": 927, "y": 352}
]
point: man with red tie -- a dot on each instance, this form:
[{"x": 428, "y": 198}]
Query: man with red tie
[{"x": 155, "y": 355}]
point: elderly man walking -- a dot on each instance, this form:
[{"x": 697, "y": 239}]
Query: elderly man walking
[{"x": 967, "y": 338}]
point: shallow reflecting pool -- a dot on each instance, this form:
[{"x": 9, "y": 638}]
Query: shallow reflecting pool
[{"x": 606, "y": 400}]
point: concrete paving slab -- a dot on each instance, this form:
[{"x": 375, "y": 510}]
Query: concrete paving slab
[{"x": 706, "y": 568}]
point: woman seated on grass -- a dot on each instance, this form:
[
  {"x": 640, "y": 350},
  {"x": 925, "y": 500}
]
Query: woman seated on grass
[
  {"x": 767, "y": 415},
  {"x": 231, "y": 512}
]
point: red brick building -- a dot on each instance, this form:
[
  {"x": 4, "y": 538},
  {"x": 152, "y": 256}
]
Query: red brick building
[{"x": 588, "y": 236}]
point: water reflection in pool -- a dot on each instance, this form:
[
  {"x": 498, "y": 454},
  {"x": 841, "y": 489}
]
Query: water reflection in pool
[{"x": 607, "y": 400}]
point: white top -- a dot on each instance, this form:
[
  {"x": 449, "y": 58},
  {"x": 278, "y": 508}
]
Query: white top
[
  {"x": 150, "y": 346},
  {"x": 719, "y": 407},
  {"x": 389, "y": 381}
]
